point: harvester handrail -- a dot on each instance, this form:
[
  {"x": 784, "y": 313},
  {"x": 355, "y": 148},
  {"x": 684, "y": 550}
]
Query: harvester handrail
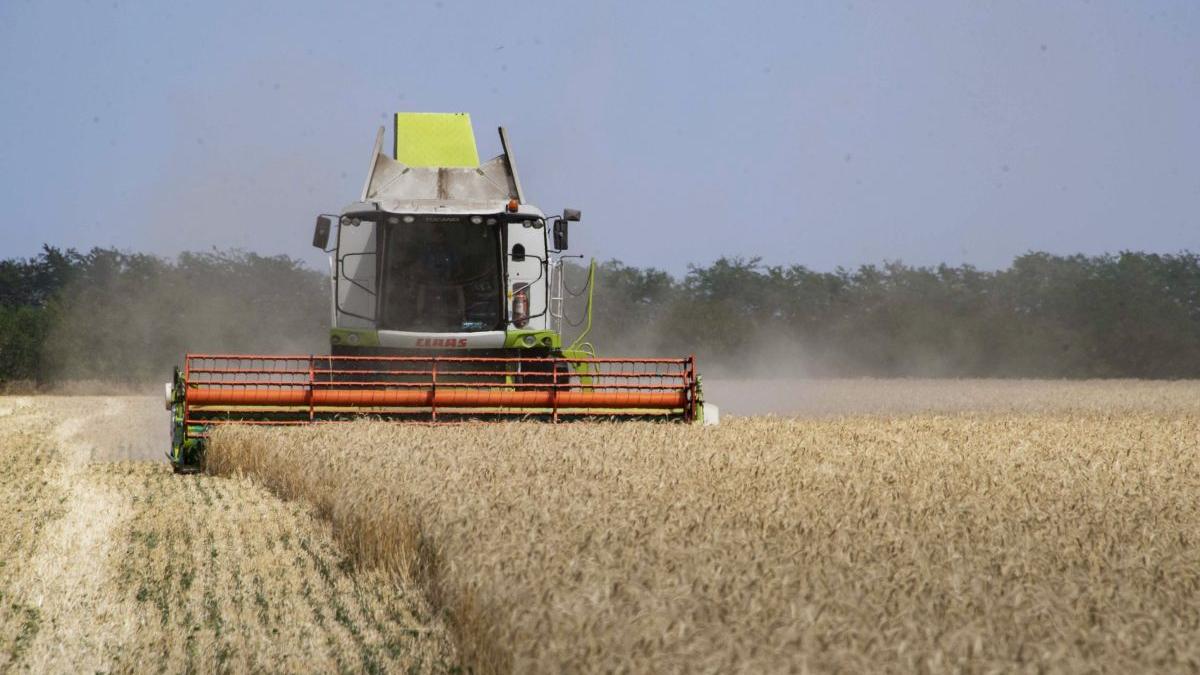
[
  {"x": 440, "y": 358},
  {"x": 305, "y": 386},
  {"x": 338, "y": 371}
]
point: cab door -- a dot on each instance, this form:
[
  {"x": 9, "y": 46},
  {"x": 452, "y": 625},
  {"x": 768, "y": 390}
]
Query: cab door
[{"x": 357, "y": 262}]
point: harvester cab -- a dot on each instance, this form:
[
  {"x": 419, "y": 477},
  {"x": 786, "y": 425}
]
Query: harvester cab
[
  {"x": 447, "y": 304},
  {"x": 443, "y": 254}
]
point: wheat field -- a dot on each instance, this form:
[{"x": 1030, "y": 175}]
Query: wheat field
[
  {"x": 113, "y": 565},
  {"x": 897, "y": 526},
  {"x": 1053, "y": 536}
]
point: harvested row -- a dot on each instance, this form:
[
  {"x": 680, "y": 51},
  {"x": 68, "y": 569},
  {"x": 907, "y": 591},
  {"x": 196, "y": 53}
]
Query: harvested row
[
  {"x": 250, "y": 587},
  {"x": 31, "y": 500},
  {"x": 975, "y": 542},
  {"x": 125, "y": 567}
]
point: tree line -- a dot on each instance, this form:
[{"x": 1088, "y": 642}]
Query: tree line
[
  {"x": 1124, "y": 315},
  {"x": 129, "y": 317}
]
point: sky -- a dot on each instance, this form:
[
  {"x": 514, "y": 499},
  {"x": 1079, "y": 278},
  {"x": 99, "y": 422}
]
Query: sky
[{"x": 816, "y": 133}]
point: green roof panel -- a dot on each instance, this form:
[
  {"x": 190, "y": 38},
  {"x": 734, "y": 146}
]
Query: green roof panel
[{"x": 436, "y": 140}]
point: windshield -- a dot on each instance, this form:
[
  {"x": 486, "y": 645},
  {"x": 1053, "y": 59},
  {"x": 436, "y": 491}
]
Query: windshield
[{"x": 441, "y": 275}]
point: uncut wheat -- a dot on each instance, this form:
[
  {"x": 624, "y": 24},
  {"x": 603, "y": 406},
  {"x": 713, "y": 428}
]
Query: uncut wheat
[{"x": 972, "y": 542}]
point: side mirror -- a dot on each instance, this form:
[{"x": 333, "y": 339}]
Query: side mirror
[
  {"x": 560, "y": 235},
  {"x": 518, "y": 253},
  {"x": 321, "y": 233},
  {"x": 572, "y": 215}
]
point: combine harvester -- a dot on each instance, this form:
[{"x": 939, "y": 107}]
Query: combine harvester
[{"x": 447, "y": 305}]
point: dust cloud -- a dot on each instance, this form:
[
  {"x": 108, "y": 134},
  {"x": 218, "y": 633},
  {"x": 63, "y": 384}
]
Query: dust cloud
[
  {"x": 125, "y": 320},
  {"x": 129, "y": 319}
]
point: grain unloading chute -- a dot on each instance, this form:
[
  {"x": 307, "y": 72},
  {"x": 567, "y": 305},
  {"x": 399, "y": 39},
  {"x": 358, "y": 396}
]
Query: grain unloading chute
[{"x": 447, "y": 305}]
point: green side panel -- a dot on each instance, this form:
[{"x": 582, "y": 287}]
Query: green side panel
[
  {"x": 541, "y": 338},
  {"x": 354, "y": 337},
  {"x": 436, "y": 140}
]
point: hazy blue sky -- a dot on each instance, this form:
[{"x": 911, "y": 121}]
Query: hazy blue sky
[{"x": 819, "y": 133}]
